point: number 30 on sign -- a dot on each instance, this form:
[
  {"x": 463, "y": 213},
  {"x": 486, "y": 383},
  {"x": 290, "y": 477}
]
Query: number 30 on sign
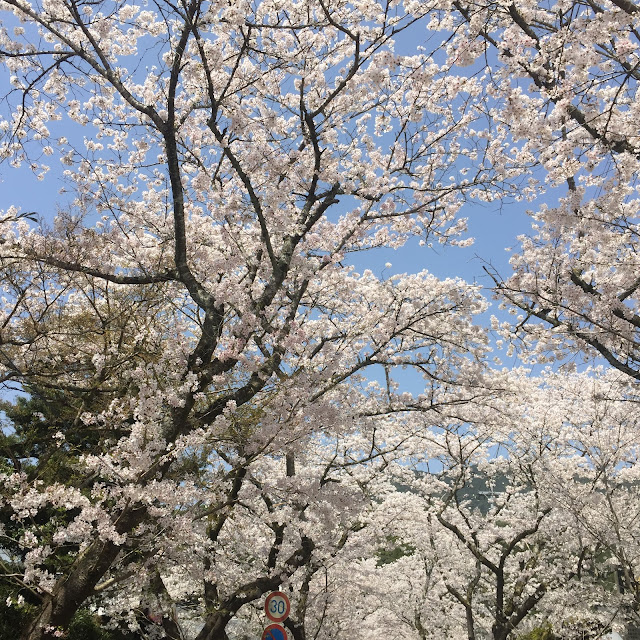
[{"x": 277, "y": 606}]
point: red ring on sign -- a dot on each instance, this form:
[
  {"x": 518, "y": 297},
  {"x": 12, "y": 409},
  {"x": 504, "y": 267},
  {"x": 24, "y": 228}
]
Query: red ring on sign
[
  {"x": 274, "y": 611},
  {"x": 275, "y": 632}
]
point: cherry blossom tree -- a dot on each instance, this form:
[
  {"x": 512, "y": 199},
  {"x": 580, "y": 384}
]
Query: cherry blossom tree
[
  {"x": 598, "y": 450},
  {"x": 565, "y": 75},
  {"x": 189, "y": 297},
  {"x": 492, "y": 532},
  {"x": 519, "y": 515}
]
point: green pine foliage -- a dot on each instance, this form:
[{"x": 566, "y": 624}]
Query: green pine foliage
[{"x": 29, "y": 444}]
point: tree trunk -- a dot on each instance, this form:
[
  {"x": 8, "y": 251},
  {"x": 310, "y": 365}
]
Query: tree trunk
[{"x": 59, "y": 606}]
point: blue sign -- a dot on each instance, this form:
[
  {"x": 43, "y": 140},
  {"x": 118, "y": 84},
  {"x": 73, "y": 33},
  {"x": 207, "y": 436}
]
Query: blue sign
[{"x": 275, "y": 632}]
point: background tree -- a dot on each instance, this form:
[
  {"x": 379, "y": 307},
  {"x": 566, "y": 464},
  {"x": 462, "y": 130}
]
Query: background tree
[{"x": 498, "y": 538}]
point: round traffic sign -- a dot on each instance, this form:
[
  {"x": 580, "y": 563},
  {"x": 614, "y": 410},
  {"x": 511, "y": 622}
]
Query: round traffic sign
[
  {"x": 275, "y": 632},
  {"x": 277, "y": 606}
]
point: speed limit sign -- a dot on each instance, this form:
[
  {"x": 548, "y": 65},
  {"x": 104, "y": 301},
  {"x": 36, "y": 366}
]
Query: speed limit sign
[{"x": 277, "y": 606}]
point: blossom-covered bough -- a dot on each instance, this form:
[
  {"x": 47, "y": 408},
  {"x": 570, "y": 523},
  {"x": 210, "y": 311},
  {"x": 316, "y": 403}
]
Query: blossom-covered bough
[
  {"x": 188, "y": 300},
  {"x": 566, "y": 78}
]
